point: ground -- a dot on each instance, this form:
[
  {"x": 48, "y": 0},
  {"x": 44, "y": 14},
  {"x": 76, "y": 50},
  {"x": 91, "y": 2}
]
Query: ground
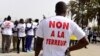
[{"x": 92, "y": 50}]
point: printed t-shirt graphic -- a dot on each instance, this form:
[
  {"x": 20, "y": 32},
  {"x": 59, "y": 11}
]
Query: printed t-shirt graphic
[{"x": 56, "y": 32}]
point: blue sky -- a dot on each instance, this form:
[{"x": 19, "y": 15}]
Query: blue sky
[{"x": 28, "y": 8}]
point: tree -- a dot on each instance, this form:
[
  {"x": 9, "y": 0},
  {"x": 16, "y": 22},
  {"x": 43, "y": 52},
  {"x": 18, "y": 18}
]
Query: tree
[{"x": 87, "y": 10}]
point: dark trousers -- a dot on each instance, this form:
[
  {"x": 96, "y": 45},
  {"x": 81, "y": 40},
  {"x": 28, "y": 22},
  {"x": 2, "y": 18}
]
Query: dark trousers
[
  {"x": 89, "y": 38},
  {"x": 23, "y": 44},
  {"x": 28, "y": 42},
  {"x": 34, "y": 43},
  {"x": 6, "y": 42},
  {"x": 94, "y": 40},
  {"x": 73, "y": 42}
]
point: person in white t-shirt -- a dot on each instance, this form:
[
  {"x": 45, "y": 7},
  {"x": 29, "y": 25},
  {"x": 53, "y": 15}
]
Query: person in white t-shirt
[
  {"x": 21, "y": 35},
  {"x": 55, "y": 32},
  {"x": 7, "y": 34},
  {"x": 3, "y": 39},
  {"x": 29, "y": 35}
]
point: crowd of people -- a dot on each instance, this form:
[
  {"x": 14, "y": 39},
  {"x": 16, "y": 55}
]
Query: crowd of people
[
  {"x": 53, "y": 34},
  {"x": 92, "y": 34},
  {"x": 16, "y": 32}
]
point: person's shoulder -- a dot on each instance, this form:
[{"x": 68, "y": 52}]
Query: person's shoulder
[
  {"x": 68, "y": 20},
  {"x": 28, "y": 23},
  {"x": 34, "y": 23},
  {"x": 52, "y": 17},
  {"x": 19, "y": 23},
  {"x": 12, "y": 23},
  {"x": 48, "y": 19},
  {"x": 71, "y": 21},
  {"x": 9, "y": 22},
  {"x": 57, "y": 18},
  {"x": 5, "y": 21}
]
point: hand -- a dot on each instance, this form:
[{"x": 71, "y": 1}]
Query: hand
[{"x": 67, "y": 53}]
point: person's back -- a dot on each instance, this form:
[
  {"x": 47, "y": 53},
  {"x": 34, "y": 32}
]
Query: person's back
[
  {"x": 6, "y": 34},
  {"x": 29, "y": 26},
  {"x": 56, "y": 31},
  {"x": 7, "y": 27},
  {"x": 21, "y": 29},
  {"x": 21, "y": 35},
  {"x": 55, "y": 34}
]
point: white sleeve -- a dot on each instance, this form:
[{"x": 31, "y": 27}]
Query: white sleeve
[
  {"x": 39, "y": 31},
  {"x": 77, "y": 31}
]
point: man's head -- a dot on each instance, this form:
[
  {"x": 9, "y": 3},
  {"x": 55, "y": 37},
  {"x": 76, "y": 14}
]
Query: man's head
[
  {"x": 30, "y": 20},
  {"x": 16, "y": 23},
  {"x": 61, "y": 8},
  {"x": 36, "y": 20},
  {"x": 8, "y": 18},
  {"x": 21, "y": 21}
]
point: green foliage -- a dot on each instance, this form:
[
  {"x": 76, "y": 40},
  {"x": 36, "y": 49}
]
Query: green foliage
[
  {"x": 98, "y": 1},
  {"x": 91, "y": 8}
]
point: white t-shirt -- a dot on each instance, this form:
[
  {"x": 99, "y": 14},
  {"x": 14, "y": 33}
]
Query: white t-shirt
[
  {"x": 56, "y": 32},
  {"x": 7, "y": 25},
  {"x": 35, "y": 24},
  {"x": 21, "y": 32},
  {"x": 30, "y": 32}
]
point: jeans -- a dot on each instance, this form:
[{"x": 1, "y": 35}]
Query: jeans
[{"x": 28, "y": 42}]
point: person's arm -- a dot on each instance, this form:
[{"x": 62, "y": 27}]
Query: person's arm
[
  {"x": 81, "y": 36},
  {"x": 81, "y": 43},
  {"x": 38, "y": 48}
]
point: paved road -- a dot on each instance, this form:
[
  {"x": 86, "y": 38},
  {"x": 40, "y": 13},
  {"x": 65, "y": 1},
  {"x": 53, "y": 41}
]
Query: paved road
[{"x": 92, "y": 50}]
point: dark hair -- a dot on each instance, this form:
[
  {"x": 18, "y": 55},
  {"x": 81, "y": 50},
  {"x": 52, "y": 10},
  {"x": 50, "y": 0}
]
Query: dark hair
[
  {"x": 5, "y": 19},
  {"x": 16, "y": 23},
  {"x": 30, "y": 20},
  {"x": 60, "y": 8},
  {"x": 89, "y": 28},
  {"x": 9, "y": 18},
  {"x": 37, "y": 20},
  {"x": 21, "y": 21}
]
